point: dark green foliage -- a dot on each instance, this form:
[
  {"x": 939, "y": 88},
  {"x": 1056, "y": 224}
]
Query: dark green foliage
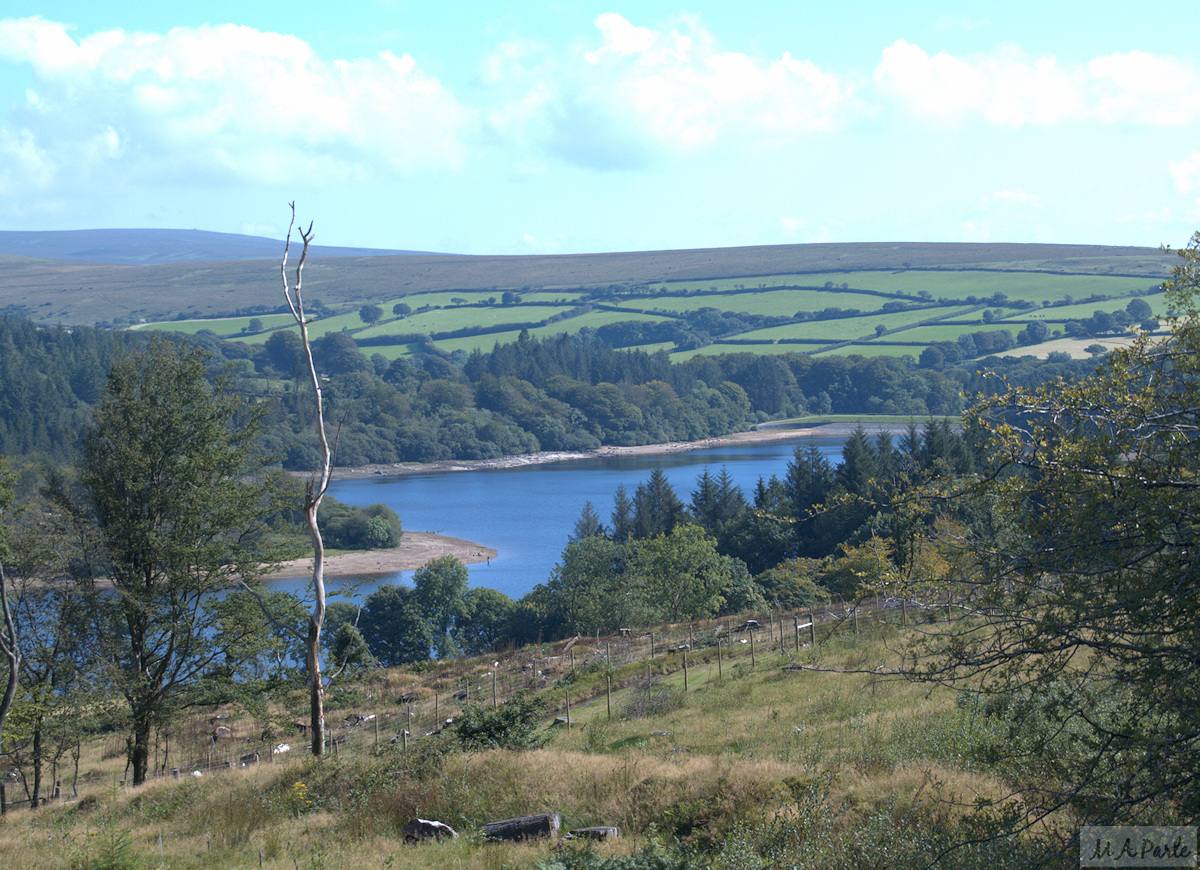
[
  {"x": 1082, "y": 582},
  {"x": 516, "y": 724},
  {"x": 264, "y": 647},
  {"x": 588, "y": 525},
  {"x": 49, "y": 378},
  {"x": 485, "y": 623},
  {"x": 651, "y": 857},
  {"x": 336, "y": 613},
  {"x": 440, "y": 590},
  {"x": 656, "y": 507},
  {"x": 394, "y": 626},
  {"x": 568, "y": 392},
  {"x": 345, "y": 527},
  {"x": 350, "y": 649},
  {"x": 172, "y": 487},
  {"x": 793, "y": 584}
]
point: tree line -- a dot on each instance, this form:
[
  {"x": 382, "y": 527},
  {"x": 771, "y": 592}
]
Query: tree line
[
  {"x": 564, "y": 393},
  {"x": 1057, "y": 525}
]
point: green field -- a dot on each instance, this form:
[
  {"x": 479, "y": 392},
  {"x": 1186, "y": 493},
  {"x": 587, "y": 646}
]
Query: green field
[
  {"x": 1082, "y": 310},
  {"x": 786, "y": 301},
  {"x": 592, "y": 319},
  {"x": 933, "y": 333},
  {"x": 471, "y": 291},
  {"x": 226, "y": 327}
]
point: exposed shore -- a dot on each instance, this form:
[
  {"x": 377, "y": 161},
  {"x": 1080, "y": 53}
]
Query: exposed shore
[
  {"x": 834, "y": 430},
  {"x": 418, "y": 548}
]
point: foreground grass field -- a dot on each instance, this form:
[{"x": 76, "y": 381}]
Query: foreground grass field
[{"x": 755, "y": 762}]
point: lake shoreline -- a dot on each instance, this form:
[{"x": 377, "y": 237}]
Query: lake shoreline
[
  {"x": 418, "y": 548},
  {"x": 401, "y": 469}
]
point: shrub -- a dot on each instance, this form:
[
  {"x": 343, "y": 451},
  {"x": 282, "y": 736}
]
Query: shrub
[{"x": 513, "y": 725}]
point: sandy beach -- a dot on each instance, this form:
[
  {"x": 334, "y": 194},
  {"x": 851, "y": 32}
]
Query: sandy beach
[{"x": 416, "y": 548}]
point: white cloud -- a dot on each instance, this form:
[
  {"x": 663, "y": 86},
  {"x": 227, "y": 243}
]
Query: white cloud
[
  {"x": 1186, "y": 173},
  {"x": 641, "y": 92},
  {"x": 1011, "y": 197},
  {"x": 1007, "y": 88},
  {"x": 228, "y": 103},
  {"x": 802, "y": 230},
  {"x": 1145, "y": 88}
]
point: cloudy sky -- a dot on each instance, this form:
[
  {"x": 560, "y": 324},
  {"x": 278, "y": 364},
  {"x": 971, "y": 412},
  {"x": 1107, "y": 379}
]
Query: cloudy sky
[{"x": 561, "y": 126}]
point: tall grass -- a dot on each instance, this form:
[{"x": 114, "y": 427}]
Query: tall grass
[{"x": 761, "y": 767}]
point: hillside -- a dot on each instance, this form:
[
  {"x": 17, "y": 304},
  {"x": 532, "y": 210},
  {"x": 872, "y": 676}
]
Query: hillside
[
  {"x": 155, "y": 247},
  {"x": 55, "y": 291},
  {"x": 712, "y": 750}
]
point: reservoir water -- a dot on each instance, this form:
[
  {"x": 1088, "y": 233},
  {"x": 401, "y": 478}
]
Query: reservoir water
[{"x": 527, "y": 513}]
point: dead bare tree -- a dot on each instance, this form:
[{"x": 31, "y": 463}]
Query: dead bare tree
[
  {"x": 314, "y": 491},
  {"x": 8, "y": 634},
  {"x": 11, "y": 651}
]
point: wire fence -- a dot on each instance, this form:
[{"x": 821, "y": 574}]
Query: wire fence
[{"x": 766, "y": 639}]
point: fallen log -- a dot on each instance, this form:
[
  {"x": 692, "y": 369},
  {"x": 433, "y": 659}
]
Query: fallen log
[{"x": 524, "y": 827}]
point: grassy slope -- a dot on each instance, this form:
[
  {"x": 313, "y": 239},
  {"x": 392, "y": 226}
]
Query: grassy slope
[
  {"x": 777, "y": 280},
  {"x": 816, "y": 755}
]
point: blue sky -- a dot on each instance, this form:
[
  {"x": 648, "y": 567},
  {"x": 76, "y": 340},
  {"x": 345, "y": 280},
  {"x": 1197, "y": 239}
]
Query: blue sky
[{"x": 564, "y": 126}]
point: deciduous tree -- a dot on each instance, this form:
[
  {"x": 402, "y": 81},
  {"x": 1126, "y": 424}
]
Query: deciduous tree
[
  {"x": 1084, "y": 625},
  {"x": 175, "y": 486}
]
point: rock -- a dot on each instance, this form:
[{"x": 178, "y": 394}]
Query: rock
[
  {"x": 600, "y": 832},
  {"x": 418, "y": 830},
  {"x": 660, "y": 733}
]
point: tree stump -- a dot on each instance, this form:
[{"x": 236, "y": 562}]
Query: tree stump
[{"x": 524, "y": 827}]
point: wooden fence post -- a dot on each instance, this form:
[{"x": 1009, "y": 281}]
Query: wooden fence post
[
  {"x": 720, "y": 675},
  {"x": 608, "y": 695},
  {"x": 752, "y": 649},
  {"x": 495, "y": 703},
  {"x": 567, "y": 695},
  {"x": 796, "y": 628},
  {"x": 685, "y": 675},
  {"x": 812, "y": 628},
  {"x": 3, "y": 800}
]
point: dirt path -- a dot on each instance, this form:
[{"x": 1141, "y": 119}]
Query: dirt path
[{"x": 416, "y": 548}]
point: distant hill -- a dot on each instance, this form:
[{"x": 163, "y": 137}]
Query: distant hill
[
  {"x": 128, "y": 276},
  {"x": 157, "y": 247}
]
